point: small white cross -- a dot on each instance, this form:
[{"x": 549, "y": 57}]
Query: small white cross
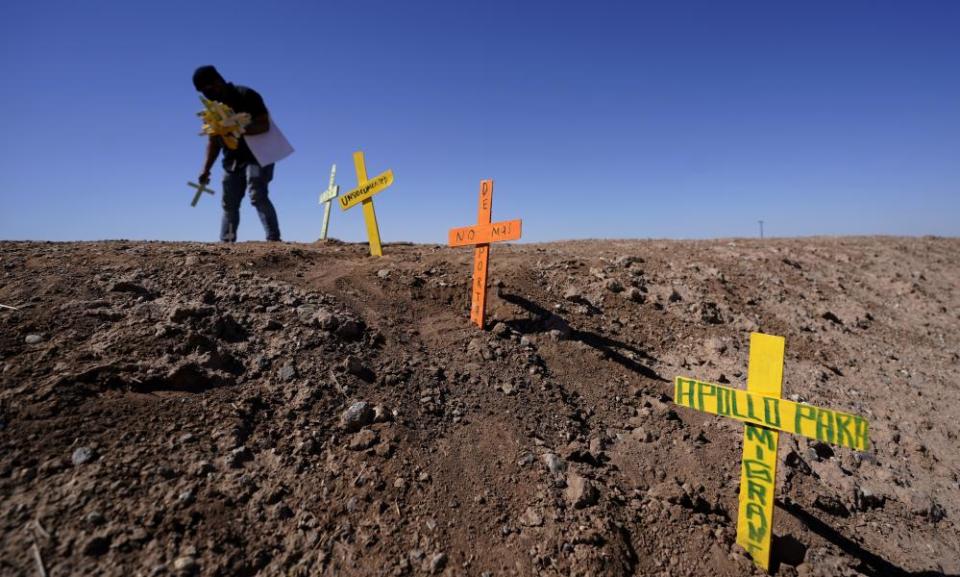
[
  {"x": 201, "y": 188},
  {"x": 325, "y": 198}
]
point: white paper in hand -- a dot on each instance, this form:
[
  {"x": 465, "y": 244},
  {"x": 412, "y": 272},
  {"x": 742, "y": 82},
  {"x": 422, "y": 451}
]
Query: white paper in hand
[{"x": 270, "y": 146}]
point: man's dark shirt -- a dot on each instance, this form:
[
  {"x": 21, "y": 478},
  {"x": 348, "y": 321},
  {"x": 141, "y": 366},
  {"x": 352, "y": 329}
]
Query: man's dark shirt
[{"x": 241, "y": 99}]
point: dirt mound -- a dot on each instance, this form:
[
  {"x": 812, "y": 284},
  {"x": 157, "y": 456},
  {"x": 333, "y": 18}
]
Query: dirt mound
[{"x": 193, "y": 409}]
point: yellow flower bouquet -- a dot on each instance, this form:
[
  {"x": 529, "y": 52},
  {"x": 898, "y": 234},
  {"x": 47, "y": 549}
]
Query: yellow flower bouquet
[{"x": 220, "y": 120}]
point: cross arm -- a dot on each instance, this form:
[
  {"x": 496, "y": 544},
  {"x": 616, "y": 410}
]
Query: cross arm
[
  {"x": 366, "y": 190},
  {"x": 809, "y": 421},
  {"x": 485, "y": 233}
]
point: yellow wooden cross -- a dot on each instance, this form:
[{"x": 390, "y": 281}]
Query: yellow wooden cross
[
  {"x": 201, "y": 188},
  {"x": 764, "y": 414},
  {"x": 481, "y": 235},
  {"x": 364, "y": 194}
]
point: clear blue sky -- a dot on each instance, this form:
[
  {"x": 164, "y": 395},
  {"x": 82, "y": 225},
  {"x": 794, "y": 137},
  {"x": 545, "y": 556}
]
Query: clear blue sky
[{"x": 595, "y": 119}]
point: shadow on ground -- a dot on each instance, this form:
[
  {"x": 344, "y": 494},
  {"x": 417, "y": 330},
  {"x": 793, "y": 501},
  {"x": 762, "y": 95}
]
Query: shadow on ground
[
  {"x": 870, "y": 564},
  {"x": 544, "y": 320}
]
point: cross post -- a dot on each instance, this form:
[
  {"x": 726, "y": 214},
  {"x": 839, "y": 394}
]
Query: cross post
[{"x": 481, "y": 235}]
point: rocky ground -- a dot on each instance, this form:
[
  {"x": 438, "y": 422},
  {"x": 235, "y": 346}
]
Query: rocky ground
[{"x": 195, "y": 409}]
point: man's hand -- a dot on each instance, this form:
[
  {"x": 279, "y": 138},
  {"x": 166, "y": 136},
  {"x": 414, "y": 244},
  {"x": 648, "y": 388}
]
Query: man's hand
[{"x": 204, "y": 178}]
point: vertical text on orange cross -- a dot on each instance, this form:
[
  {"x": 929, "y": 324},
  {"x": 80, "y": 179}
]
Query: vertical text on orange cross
[{"x": 481, "y": 256}]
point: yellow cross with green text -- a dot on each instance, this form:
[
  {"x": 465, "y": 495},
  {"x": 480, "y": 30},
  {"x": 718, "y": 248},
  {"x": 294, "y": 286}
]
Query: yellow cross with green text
[{"x": 764, "y": 414}]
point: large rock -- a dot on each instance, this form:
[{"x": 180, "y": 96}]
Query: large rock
[
  {"x": 288, "y": 371},
  {"x": 326, "y": 319},
  {"x": 531, "y": 518},
  {"x": 96, "y": 546},
  {"x": 306, "y": 313},
  {"x": 634, "y": 294},
  {"x": 355, "y": 366},
  {"x": 82, "y": 456},
  {"x": 183, "y": 312},
  {"x": 357, "y": 416},
  {"x": 124, "y": 286},
  {"x": 363, "y": 440},
  {"x": 668, "y": 491},
  {"x": 350, "y": 330},
  {"x": 613, "y": 285},
  {"x": 553, "y": 463},
  {"x": 581, "y": 492},
  {"x": 437, "y": 563},
  {"x": 868, "y": 497},
  {"x": 573, "y": 294}
]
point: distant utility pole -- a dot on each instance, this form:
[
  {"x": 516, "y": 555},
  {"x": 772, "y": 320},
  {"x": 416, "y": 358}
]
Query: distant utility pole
[{"x": 761, "y": 229}]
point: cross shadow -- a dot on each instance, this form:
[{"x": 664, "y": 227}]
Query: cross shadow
[
  {"x": 871, "y": 564},
  {"x": 545, "y": 320}
]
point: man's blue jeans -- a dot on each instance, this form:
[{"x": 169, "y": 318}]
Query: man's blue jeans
[{"x": 235, "y": 184}]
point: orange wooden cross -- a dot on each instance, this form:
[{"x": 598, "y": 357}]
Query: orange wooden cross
[{"x": 481, "y": 235}]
